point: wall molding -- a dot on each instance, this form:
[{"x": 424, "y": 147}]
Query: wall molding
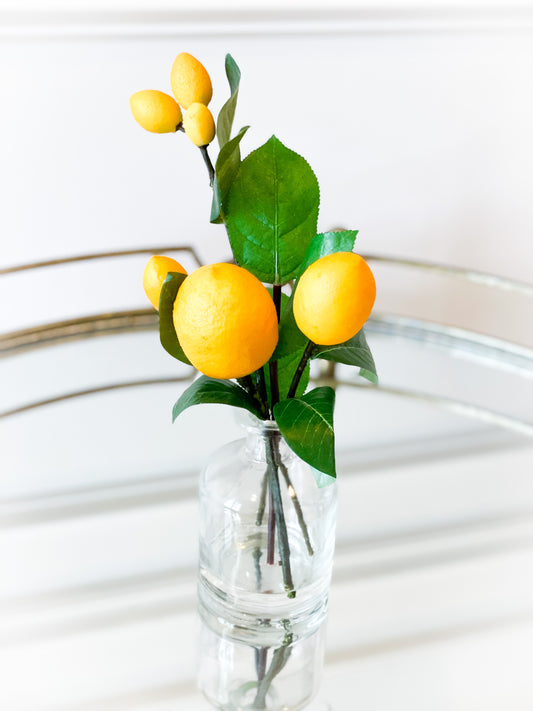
[{"x": 145, "y": 21}]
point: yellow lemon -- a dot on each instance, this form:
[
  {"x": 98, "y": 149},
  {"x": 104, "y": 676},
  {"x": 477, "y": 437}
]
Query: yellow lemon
[
  {"x": 199, "y": 124},
  {"x": 225, "y": 321},
  {"x": 155, "y": 111},
  {"x": 334, "y": 298},
  {"x": 155, "y": 274},
  {"x": 190, "y": 81}
]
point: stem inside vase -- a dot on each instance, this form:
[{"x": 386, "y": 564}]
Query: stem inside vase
[{"x": 265, "y": 562}]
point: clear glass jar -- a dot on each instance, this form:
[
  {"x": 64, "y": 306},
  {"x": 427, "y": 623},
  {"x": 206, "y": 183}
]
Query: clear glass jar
[{"x": 267, "y": 536}]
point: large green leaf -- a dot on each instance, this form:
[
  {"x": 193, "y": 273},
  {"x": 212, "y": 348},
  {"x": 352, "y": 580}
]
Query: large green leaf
[
  {"x": 272, "y": 212},
  {"x": 328, "y": 243},
  {"x": 322, "y": 479},
  {"x": 226, "y": 168},
  {"x": 291, "y": 338},
  {"x": 227, "y": 112},
  {"x": 209, "y": 390},
  {"x": 356, "y": 352},
  {"x": 167, "y": 332},
  {"x": 306, "y": 423}
]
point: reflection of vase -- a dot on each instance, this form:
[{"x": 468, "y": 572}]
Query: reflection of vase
[{"x": 266, "y": 548}]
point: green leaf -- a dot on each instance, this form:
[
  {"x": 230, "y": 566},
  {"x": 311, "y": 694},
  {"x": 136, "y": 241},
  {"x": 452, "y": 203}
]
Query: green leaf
[
  {"x": 167, "y": 333},
  {"x": 227, "y": 112},
  {"x": 272, "y": 212},
  {"x": 227, "y": 165},
  {"x": 328, "y": 243},
  {"x": 306, "y": 423},
  {"x": 356, "y": 352},
  {"x": 209, "y": 390},
  {"x": 322, "y": 480},
  {"x": 286, "y": 369}
]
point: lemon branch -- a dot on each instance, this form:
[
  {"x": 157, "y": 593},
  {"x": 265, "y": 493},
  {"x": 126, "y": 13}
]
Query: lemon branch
[
  {"x": 271, "y": 528},
  {"x": 248, "y": 383},
  {"x": 277, "y": 508},
  {"x": 297, "y": 507},
  {"x": 209, "y": 165},
  {"x": 308, "y": 352},
  {"x": 274, "y": 386},
  {"x": 262, "y": 389},
  {"x": 280, "y": 658},
  {"x": 273, "y": 365}
]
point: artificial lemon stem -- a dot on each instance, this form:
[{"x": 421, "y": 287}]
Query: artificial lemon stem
[
  {"x": 274, "y": 385},
  {"x": 262, "y": 390},
  {"x": 262, "y": 500},
  {"x": 280, "y": 658},
  {"x": 308, "y": 352},
  {"x": 276, "y": 296},
  {"x": 273, "y": 365},
  {"x": 297, "y": 507},
  {"x": 271, "y": 535},
  {"x": 248, "y": 383},
  {"x": 276, "y": 502},
  {"x": 260, "y": 662},
  {"x": 207, "y": 161}
]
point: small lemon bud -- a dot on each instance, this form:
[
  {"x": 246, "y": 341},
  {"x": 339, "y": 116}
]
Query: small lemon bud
[
  {"x": 154, "y": 275},
  {"x": 190, "y": 81},
  {"x": 199, "y": 124},
  {"x": 155, "y": 111}
]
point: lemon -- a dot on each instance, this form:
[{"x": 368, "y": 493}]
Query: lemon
[
  {"x": 225, "y": 321},
  {"x": 190, "y": 81},
  {"x": 155, "y": 111},
  {"x": 334, "y": 298},
  {"x": 199, "y": 124},
  {"x": 154, "y": 275}
]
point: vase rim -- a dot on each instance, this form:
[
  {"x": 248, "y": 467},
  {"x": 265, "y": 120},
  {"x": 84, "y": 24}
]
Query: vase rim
[{"x": 254, "y": 424}]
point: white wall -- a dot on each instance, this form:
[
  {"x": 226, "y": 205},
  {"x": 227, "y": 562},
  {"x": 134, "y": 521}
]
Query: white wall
[{"x": 419, "y": 134}]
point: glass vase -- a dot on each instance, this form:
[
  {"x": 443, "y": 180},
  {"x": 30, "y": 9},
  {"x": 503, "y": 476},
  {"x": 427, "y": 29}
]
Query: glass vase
[{"x": 267, "y": 535}]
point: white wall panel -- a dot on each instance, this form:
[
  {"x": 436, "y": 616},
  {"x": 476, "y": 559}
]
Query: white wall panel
[{"x": 420, "y": 139}]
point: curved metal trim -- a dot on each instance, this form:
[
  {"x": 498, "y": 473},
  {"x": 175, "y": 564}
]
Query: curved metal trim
[
  {"x": 77, "y": 329},
  {"x": 94, "y": 391},
  {"x": 101, "y": 255},
  {"x": 517, "y": 357},
  {"x": 476, "y": 412},
  {"x": 502, "y": 354},
  {"x": 471, "y": 275}
]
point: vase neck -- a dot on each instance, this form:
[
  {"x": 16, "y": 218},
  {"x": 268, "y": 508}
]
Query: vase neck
[{"x": 260, "y": 434}]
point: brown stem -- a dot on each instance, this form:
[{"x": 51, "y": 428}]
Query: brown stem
[
  {"x": 273, "y": 365},
  {"x": 308, "y": 352},
  {"x": 260, "y": 662},
  {"x": 280, "y": 657},
  {"x": 297, "y": 507},
  {"x": 262, "y": 500},
  {"x": 248, "y": 383},
  {"x": 271, "y": 537},
  {"x": 276, "y": 296},
  {"x": 283, "y": 537},
  {"x": 207, "y": 161},
  {"x": 274, "y": 384},
  {"x": 262, "y": 390}
]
